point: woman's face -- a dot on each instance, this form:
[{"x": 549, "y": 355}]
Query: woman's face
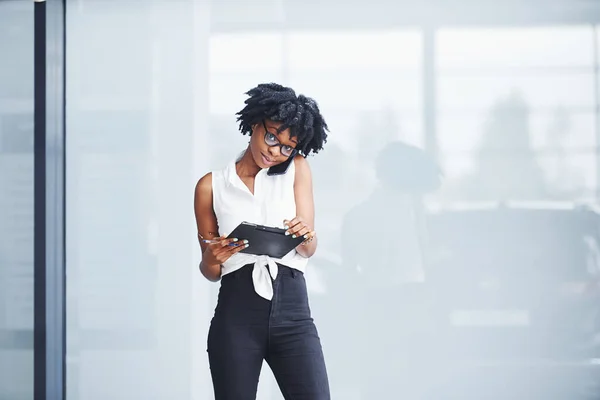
[{"x": 268, "y": 147}]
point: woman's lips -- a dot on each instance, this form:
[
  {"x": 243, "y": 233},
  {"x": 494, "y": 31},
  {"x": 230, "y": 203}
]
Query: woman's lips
[{"x": 267, "y": 160}]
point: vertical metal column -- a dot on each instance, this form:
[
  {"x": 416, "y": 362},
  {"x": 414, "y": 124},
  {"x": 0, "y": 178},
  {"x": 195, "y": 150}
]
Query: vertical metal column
[{"x": 49, "y": 200}]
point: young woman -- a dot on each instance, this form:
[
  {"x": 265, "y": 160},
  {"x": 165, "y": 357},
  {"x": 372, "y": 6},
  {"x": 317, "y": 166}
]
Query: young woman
[{"x": 263, "y": 311}]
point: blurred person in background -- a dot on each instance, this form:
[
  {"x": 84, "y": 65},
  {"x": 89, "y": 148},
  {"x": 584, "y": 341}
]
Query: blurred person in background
[{"x": 384, "y": 249}]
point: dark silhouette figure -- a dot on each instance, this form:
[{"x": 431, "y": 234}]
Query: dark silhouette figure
[
  {"x": 506, "y": 167},
  {"x": 384, "y": 245}
]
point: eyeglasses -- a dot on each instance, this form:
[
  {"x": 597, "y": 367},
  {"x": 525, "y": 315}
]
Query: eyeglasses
[{"x": 271, "y": 140}]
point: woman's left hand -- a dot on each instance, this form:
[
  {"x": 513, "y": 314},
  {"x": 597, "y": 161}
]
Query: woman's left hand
[{"x": 298, "y": 227}]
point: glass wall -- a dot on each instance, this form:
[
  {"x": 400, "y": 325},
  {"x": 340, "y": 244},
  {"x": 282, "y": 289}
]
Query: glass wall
[
  {"x": 521, "y": 111},
  {"x": 136, "y": 121},
  {"x": 152, "y": 89},
  {"x": 16, "y": 200},
  {"x": 514, "y": 121}
]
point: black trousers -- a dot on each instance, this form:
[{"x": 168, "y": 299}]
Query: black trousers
[{"x": 247, "y": 329}]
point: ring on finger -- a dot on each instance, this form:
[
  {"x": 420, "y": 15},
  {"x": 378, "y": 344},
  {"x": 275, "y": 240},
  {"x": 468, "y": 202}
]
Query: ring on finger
[{"x": 309, "y": 237}]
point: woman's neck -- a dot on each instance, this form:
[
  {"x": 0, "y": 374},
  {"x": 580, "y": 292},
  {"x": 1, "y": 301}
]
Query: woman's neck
[{"x": 246, "y": 166}]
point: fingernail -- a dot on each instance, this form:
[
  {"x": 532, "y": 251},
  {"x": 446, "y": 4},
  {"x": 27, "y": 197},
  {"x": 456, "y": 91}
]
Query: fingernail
[
  {"x": 235, "y": 239},
  {"x": 293, "y": 236},
  {"x": 247, "y": 245},
  {"x": 286, "y": 227},
  {"x": 305, "y": 236},
  {"x": 245, "y": 241}
]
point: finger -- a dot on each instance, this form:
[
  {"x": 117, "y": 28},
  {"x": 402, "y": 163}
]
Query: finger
[
  {"x": 294, "y": 226},
  {"x": 302, "y": 231},
  {"x": 289, "y": 223},
  {"x": 227, "y": 254},
  {"x": 309, "y": 237},
  {"x": 238, "y": 246},
  {"x": 214, "y": 241},
  {"x": 296, "y": 220},
  {"x": 225, "y": 242},
  {"x": 223, "y": 245},
  {"x": 224, "y": 253}
]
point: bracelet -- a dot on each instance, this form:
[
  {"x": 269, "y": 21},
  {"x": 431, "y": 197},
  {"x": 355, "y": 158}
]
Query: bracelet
[{"x": 210, "y": 233}]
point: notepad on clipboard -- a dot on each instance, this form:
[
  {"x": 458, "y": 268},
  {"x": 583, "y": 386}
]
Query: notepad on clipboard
[{"x": 265, "y": 240}]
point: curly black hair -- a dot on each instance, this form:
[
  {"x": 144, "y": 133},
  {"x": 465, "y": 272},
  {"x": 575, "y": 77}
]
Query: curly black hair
[{"x": 279, "y": 103}]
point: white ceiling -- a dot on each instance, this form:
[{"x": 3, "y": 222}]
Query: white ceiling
[{"x": 235, "y": 15}]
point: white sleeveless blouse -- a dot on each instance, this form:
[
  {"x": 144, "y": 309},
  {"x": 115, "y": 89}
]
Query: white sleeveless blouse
[{"x": 272, "y": 202}]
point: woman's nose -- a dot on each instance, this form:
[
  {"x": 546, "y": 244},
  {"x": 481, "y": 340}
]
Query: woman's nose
[{"x": 274, "y": 151}]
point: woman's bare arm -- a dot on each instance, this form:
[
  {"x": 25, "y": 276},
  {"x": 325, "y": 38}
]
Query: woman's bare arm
[
  {"x": 305, "y": 205},
  {"x": 206, "y": 222}
]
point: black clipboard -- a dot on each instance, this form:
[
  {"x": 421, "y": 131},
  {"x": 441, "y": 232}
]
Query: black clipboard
[{"x": 265, "y": 240}]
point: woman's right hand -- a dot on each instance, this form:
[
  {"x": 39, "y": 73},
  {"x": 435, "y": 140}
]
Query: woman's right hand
[{"x": 220, "y": 249}]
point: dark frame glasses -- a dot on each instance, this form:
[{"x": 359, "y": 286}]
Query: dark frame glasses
[{"x": 271, "y": 140}]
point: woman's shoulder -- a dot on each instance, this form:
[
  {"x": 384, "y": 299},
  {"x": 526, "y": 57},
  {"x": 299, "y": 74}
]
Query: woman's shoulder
[
  {"x": 204, "y": 184},
  {"x": 302, "y": 174},
  {"x": 301, "y": 165}
]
